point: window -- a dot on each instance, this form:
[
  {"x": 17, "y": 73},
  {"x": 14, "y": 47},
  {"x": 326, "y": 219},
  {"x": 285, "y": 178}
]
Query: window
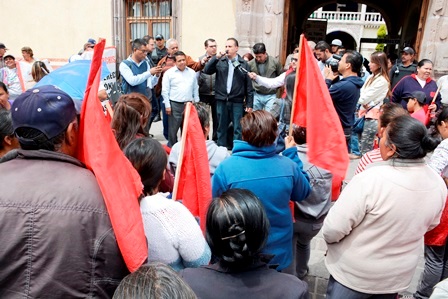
[{"x": 148, "y": 17}]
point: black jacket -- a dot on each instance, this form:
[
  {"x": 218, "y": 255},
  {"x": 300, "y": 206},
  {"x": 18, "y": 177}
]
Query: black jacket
[
  {"x": 241, "y": 84},
  {"x": 345, "y": 95},
  {"x": 257, "y": 281}
]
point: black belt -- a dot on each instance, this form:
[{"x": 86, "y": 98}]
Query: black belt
[{"x": 181, "y": 102}]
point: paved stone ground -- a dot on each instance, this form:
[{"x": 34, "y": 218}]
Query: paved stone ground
[{"x": 318, "y": 275}]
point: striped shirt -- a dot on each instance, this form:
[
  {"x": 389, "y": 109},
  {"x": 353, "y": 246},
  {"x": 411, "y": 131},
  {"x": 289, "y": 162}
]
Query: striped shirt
[{"x": 367, "y": 159}]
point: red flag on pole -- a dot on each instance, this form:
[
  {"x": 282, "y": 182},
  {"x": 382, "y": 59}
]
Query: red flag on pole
[
  {"x": 192, "y": 182},
  {"x": 313, "y": 109},
  {"x": 119, "y": 182}
]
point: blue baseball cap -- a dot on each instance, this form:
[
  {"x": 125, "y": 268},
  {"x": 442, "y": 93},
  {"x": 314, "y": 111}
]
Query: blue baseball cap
[
  {"x": 46, "y": 109},
  {"x": 91, "y": 41}
]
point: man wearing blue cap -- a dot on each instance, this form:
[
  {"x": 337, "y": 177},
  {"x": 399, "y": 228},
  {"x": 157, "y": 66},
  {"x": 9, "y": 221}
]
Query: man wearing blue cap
[{"x": 57, "y": 239}]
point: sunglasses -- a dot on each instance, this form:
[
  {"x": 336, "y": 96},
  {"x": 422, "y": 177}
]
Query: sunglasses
[{"x": 294, "y": 59}]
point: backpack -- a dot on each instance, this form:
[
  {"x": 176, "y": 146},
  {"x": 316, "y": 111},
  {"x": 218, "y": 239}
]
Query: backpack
[{"x": 318, "y": 203}]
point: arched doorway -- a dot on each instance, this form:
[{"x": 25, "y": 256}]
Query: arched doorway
[
  {"x": 399, "y": 17},
  {"x": 347, "y": 40}
]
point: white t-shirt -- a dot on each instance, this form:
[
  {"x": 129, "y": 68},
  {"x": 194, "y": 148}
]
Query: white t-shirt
[{"x": 421, "y": 82}]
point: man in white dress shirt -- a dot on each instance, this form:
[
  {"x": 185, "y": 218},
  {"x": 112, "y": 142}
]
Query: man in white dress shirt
[{"x": 179, "y": 86}]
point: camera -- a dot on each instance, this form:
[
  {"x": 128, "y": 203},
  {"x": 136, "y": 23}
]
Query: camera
[{"x": 333, "y": 62}]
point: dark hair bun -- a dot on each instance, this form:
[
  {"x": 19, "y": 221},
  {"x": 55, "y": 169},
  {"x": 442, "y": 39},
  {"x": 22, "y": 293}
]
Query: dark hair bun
[
  {"x": 429, "y": 143},
  {"x": 237, "y": 243}
]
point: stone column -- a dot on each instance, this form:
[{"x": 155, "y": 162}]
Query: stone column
[
  {"x": 260, "y": 21},
  {"x": 435, "y": 37}
]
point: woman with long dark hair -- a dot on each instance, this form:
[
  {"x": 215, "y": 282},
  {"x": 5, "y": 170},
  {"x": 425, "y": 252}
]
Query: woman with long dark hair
[
  {"x": 131, "y": 114},
  {"x": 237, "y": 231},
  {"x": 173, "y": 234},
  {"x": 375, "y": 230}
]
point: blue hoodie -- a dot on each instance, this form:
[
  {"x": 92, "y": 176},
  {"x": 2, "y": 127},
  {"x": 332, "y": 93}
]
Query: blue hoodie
[
  {"x": 345, "y": 95},
  {"x": 275, "y": 180}
]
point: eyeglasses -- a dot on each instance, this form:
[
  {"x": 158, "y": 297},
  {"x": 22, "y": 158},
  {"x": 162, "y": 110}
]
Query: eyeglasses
[
  {"x": 294, "y": 59},
  {"x": 143, "y": 51}
]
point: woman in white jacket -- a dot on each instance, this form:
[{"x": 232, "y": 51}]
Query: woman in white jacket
[
  {"x": 371, "y": 98},
  {"x": 374, "y": 231}
]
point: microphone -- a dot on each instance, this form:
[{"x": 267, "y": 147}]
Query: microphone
[
  {"x": 236, "y": 64},
  {"x": 225, "y": 54}
]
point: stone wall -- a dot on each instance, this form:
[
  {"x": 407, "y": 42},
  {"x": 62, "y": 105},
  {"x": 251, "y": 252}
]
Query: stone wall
[
  {"x": 260, "y": 21},
  {"x": 435, "y": 37}
]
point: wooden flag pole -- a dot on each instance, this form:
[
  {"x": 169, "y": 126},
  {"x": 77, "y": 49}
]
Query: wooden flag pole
[
  {"x": 182, "y": 149},
  {"x": 437, "y": 93},
  {"x": 293, "y": 108},
  {"x": 109, "y": 109}
]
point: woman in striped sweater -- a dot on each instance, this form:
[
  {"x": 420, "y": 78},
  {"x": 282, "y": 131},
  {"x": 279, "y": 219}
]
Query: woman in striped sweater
[{"x": 387, "y": 112}]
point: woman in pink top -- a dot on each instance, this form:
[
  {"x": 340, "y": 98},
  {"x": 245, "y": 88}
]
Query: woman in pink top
[{"x": 386, "y": 114}]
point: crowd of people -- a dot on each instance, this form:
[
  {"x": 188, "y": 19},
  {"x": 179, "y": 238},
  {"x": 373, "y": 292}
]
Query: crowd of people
[{"x": 269, "y": 201}]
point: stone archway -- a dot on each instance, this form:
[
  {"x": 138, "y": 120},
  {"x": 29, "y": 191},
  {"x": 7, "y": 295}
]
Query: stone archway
[{"x": 348, "y": 38}]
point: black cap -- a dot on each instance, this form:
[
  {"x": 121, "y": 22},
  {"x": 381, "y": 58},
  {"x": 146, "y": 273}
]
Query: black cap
[
  {"x": 420, "y": 96},
  {"x": 8, "y": 55},
  {"x": 158, "y": 37},
  {"x": 45, "y": 108},
  {"x": 2, "y": 46},
  {"x": 408, "y": 50}
]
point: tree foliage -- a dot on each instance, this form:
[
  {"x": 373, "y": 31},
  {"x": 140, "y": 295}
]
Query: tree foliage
[{"x": 381, "y": 33}]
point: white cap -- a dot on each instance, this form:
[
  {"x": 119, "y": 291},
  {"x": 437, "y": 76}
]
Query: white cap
[{"x": 336, "y": 42}]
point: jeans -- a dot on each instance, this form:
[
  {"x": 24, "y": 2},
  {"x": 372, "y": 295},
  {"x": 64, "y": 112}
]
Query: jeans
[
  {"x": 304, "y": 232},
  {"x": 335, "y": 290},
  {"x": 436, "y": 269},
  {"x": 228, "y": 112},
  {"x": 354, "y": 144},
  {"x": 347, "y": 135},
  {"x": 264, "y": 101},
  {"x": 368, "y": 135}
]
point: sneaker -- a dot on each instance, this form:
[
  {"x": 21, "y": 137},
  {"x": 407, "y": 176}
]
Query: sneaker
[
  {"x": 353, "y": 156},
  {"x": 157, "y": 118}
]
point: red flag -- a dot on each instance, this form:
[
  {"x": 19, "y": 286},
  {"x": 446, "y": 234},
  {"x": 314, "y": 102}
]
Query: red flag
[
  {"x": 313, "y": 109},
  {"x": 119, "y": 182},
  {"x": 192, "y": 182}
]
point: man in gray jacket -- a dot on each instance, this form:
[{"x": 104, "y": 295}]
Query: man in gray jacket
[
  {"x": 265, "y": 66},
  {"x": 57, "y": 239}
]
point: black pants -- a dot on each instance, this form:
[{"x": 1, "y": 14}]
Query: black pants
[{"x": 211, "y": 101}]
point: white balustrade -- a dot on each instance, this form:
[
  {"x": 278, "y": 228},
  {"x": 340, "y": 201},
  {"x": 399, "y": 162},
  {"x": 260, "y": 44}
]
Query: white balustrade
[{"x": 352, "y": 17}]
